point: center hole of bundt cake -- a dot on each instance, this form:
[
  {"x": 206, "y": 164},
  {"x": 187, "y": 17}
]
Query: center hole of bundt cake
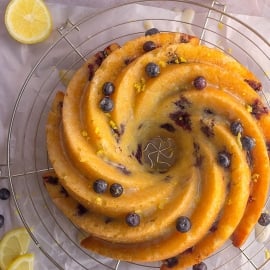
[{"x": 159, "y": 154}]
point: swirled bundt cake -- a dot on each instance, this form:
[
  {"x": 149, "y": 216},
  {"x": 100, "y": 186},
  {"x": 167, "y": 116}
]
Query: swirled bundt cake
[{"x": 160, "y": 150}]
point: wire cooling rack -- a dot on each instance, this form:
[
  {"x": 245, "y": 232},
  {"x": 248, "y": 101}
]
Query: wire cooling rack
[{"x": 55, "y": 235}]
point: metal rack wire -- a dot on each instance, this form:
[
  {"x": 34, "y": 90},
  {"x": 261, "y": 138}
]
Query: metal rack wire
[{"x": 55, "y": 235}]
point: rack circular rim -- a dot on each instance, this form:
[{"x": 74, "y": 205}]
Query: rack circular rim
[{"x": 204, "y": 28}]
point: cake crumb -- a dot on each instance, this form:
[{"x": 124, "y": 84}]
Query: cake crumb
[
  {"x": 255, "y": 177},
  {"x": 230, "y": 50},
  {"x": 220, "y": 26},
  {"x": 267, "y": 73},
  {"x": 229, "y": 202},
  {"x": 84, "y": 133},
  {"x": 148, "y": 24},
  {"x": 267, "y": 254}
]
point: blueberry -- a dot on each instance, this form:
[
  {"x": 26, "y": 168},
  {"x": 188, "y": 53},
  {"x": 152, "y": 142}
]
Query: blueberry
[
  {"x": 171, "y": 262},
  {"x": 81, "y": 210},
  {"x": 116, "y": 190},
  {"x": 2, "y": 221},
  {"x": 51, "y": 180},
  {"x": 152, "y": 70},
  {"x": 108, "y": 88},
  {"x": 200, "y": 83},
  {"x": 247, "y": 143},
  {"x": 133, "y": 219},
  {"x": 106, "y": 104},
  {"x": 151, "y": 31},
  {"x": 264, "y": 219},
  {"x": 100, "y": 186},
  {"x": 200, "y": 266},
  {"x": 149, "y": 46},
  {"x": 4, "y": 193},
  {"x": 224, "y": 159},
  {"x": 236, "y": 127},
  {"x": 183, "y": 224}
]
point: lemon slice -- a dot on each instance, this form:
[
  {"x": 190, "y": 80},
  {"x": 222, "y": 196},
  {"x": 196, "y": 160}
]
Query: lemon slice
[
  {"x": 14, "y": 243},
  {"x": 28, "y": 21},
  {"x": 23, "y": 262}
]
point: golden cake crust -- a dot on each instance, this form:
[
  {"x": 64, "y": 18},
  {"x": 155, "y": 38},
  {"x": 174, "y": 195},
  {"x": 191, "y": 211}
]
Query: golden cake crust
[{"x": 160, "y": 118}]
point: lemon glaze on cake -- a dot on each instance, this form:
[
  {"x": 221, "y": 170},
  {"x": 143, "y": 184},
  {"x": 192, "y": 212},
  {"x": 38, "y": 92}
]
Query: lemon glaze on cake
[{"x": 164, "y": 136}]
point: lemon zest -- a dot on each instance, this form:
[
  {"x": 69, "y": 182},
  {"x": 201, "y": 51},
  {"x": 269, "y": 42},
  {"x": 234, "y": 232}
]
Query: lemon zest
[
  {"x": 100, "y": 152},
  {"x": 183, "y": 59},
  {"x": 140, "y": 86},
  {"x": 97, "y": 131},
  {"x": 162, "y": 63},
  {"x": 98, "y": 201},
  {"x": 112, "y": 124},
  {"x": 249, "y": 108},
  {"x": 238, "y": 138}
]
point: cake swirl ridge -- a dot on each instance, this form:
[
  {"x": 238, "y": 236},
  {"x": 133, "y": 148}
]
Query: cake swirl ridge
[{"x": 155, "y": 127}]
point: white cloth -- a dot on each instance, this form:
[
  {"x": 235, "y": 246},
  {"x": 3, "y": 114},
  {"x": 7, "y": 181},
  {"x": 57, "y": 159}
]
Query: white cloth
[{"x": 17, "y": 60}]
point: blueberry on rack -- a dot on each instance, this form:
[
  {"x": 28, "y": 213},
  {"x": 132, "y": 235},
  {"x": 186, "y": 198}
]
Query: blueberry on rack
[
  {"x": 2, "y": 221},
  {"x": 171, "y": 262},
  {"x": 4, "y": 193},
  {"x": 151, "y": 31},
  {"x": 264, "y": 219},
  {"x": 200, "y": 266}
]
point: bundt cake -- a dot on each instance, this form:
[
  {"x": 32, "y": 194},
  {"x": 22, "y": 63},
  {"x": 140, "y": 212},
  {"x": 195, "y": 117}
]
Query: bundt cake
[{"x": 160, "y": 150}]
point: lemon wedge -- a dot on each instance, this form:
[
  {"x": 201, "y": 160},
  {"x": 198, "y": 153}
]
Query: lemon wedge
[
  {"x": 13, "y": 244},
  {"x": 28, "y": 21},
  {"x": 23, "y": 262}
]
